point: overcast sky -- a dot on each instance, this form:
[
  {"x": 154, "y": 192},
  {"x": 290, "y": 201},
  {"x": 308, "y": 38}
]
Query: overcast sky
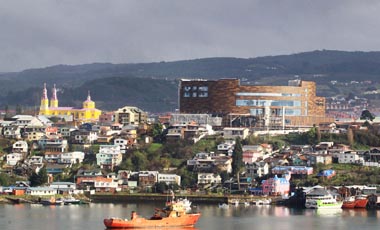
[{"x": 40, "y": 33}]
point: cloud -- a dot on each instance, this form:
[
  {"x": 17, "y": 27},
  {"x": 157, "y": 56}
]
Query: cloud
[{"x": 46, "y": 32}]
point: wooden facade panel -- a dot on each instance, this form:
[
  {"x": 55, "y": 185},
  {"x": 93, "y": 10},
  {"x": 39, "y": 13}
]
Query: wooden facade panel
[{"x": 221, "y": 99}]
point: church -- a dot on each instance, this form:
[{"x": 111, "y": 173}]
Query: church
[{"x": 86, "y": 114}]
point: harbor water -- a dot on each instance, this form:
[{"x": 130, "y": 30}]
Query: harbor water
[{"x": 265, "y": 217}]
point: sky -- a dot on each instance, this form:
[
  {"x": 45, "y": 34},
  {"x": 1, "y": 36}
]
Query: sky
[{"x": 41, "y": 33}]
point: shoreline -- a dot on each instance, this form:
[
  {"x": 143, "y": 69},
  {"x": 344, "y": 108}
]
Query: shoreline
[{"x": 200, "y": 199}]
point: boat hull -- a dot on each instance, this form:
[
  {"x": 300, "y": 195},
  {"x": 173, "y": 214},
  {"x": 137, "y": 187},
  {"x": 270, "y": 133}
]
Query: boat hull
[
  {"x": 361, "y": 203},
  {"x": 348, "y": 204},
  {"x": 188, "y": 220}
]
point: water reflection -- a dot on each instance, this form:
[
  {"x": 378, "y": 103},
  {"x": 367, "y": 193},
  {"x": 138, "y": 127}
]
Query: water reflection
[{"x": 329, "y": 212}]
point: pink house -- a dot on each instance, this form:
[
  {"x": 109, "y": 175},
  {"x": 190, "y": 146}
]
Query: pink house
[{"x": 276, "y": 185}]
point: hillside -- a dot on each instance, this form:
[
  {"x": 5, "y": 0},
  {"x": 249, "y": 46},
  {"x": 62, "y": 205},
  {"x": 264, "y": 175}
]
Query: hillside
[{"x": 153, "y": 86}]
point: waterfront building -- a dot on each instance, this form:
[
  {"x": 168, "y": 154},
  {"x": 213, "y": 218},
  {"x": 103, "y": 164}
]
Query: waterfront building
[
  {"x": 169, "y": 178},
  {"x": 88, "y": 113},
  {"x": 294, "y": 105},
  {"x": 276, "y": 185}
]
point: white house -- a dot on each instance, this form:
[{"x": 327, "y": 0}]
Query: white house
[
  {"x": 109, "y": 156},
  {"x": 41, "y": 191},
  {"x": 35, "y": 161},
  {"x": 53, "y": 157},
  {"x": 63, "y": 187},
  {"x": 169, "y": 178},
  {"x": 209, "y": 178},
  {"x": 234, "y": 132},
  {"x": 123, "y": 143},
  {"x": 347, "y": 157},
  {"x": 106, "y": 185},
  {"x": 71, "y": 157},
  {"x": 13, "y": 158},
  {"x": 20, "y": 147}
]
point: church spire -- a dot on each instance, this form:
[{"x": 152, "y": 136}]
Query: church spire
[
  {"x": 54, "y": 94},
  {"x": 54, "y": 99},
  {"x": 89, "y": 96},
  {"x": 44, "y": 93}
]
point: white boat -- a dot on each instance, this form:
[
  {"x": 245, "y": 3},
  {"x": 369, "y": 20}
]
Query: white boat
[
  {"x": 184, "y": 202},
  {"x": 322, "y": 202},
  {"x": 224, "y": 206},
  {"x": 246, "y": 204},
  {"x": 70, "y": 200}
]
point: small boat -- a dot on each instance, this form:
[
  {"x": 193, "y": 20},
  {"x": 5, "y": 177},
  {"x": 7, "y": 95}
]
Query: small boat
[
  {"x": 71, "y": 200},
  {"x": 173, "y": 215},
  {"x": 246, "y": 204},
  {"x": 51, "y": 201},
  {"x": 224, "y": 206}
]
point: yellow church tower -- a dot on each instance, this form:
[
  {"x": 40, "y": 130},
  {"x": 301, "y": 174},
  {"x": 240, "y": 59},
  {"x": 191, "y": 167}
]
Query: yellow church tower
[
  {"x": 44, "y": 107},
  {"x": 54, "y": 99},
  {"x": 86, "y": 114}
]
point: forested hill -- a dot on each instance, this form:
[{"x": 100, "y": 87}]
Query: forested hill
[{"x": 153, "y": 86}]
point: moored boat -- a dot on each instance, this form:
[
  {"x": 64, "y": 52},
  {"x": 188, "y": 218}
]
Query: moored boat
[
  {"x": 71, "y": 200},
  {"x": 52, "y": 201},
  {"x": 349, "y": 202},
  {"x": 359, "y": 201},
  {"x": 173, "y": 215},
  {"x": 322, "y": 202}
]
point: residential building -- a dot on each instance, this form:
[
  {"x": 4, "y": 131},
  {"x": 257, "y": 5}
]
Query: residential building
[
  {"x": 71, "y": 157},
  {"x": 83, "y": 136},
  {"x": 129, "y": 115},
  {"x": 169, "y": 178},
  {"x": 294, "y": 170},
  {"x": 109, "y": 156},
  {"x": 41, "y": 191},
  {"x": 13, "y": 158},
  {"x": 257, "y": 169},
  {"x": 20, "y": 147},
  {"x": 63, "y": 187},
  {"x": 235, "y": 132},
  {"x": 208, "y": 178},
  {"x": 276, "y": 185}
]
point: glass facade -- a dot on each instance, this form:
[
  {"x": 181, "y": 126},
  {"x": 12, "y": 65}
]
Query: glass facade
[
  {"x": 194, "y": 91},
  {"x": 244, "y": 102},
  {"x": 269, "y": 94}
]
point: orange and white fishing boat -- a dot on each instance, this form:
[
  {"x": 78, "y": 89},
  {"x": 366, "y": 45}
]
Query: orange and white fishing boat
[
  {"x": 359, "y": 201},
  {"x": 173, "y": 215}
]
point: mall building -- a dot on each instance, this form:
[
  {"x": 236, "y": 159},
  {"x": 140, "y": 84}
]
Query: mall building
[{"x": 294, "y": 105}]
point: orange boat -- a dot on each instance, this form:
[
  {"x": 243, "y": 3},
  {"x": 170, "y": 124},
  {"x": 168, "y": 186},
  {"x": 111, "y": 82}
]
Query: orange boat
[
  {"x": 173, "y": 215},
  {"x": 349, "y": 202},
  {"x": 359, "y": 201}
]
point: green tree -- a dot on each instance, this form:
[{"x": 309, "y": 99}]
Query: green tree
[
  {"x": 237, "y": 157},
  {"x": 40, "y": 178},
  {"x": 367, "y": 115},
  {"x": 157, "y": 132},
  {"x": 139, "y": 161}
]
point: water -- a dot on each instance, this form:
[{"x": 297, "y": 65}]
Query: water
[{"x": 26, "y": 216}]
